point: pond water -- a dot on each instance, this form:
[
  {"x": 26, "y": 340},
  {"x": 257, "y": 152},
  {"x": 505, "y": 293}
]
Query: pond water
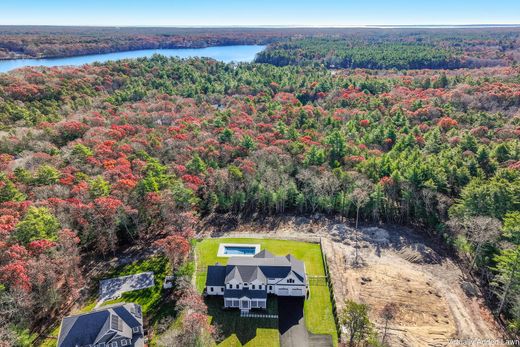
[{"x": 243, "y": 53}]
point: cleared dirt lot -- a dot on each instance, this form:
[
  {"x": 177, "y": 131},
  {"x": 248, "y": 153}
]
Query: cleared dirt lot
[{"x": 398, "y": 267}]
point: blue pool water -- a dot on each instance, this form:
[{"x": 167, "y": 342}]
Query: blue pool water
[
  {"x": 237, "y": 250},
  {"x": 243, "y": 53}
]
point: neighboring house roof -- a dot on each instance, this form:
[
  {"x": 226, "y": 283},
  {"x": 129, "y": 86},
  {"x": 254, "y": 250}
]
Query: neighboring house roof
[
  {"x": 103, "y": 325},
  {"x": 240, "y": 293},
  {"x": 216, "y": 275}
]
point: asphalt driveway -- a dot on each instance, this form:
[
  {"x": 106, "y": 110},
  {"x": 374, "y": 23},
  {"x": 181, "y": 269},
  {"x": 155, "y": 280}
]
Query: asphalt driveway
[{"x": 291, "y": 324}]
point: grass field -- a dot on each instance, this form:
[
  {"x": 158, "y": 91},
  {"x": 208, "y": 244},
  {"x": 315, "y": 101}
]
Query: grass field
[{"x": 318, "y": 308}]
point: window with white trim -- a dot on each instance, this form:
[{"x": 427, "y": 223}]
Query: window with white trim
[
  {"x": 211, "y": 289},
  {"x": 124, "y": 342},
  {"x": 135, "y": 329}
]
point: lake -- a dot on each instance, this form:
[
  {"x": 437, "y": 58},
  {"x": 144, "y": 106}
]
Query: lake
[{"x": 243, "y": 53}]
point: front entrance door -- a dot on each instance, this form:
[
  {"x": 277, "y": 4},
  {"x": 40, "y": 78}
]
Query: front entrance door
[{"x": 245, "y": 304}]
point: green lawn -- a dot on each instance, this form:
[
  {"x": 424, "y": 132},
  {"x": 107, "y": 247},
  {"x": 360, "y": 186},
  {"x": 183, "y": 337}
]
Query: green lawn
[
  {"x": 318, "y": 308},
  {"x": 250, "y": 332}
]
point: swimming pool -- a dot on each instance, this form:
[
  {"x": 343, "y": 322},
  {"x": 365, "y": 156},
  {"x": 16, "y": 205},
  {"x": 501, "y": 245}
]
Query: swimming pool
[
  {"x": 244, "y": 250},
  {"x": 237, "y": 250}
]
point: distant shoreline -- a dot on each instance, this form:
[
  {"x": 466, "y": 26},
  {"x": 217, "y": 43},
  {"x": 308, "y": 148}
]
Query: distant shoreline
[{"x": 295, "y": 26}]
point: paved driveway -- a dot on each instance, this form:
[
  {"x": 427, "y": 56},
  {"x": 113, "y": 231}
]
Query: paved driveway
[
  {"x": 113, "y": 288},
  {"x": 291, "y": 324}
]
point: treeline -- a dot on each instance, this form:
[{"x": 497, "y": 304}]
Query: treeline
[
  {"x": 340, "y": 53},
  {"x": 49, "y": 42},
  {"x": 131, "y": 151},
  {"x": 474, "y": 47}
]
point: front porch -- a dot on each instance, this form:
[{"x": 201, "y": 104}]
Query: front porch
[{"x": 245, "y": 304}]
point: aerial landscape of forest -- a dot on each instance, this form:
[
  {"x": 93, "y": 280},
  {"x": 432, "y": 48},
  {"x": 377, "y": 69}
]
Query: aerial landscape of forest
[{"x": 385, "y": 160}]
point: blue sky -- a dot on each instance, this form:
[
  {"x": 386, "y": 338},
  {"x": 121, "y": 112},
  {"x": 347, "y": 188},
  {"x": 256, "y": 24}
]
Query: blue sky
[{"x": 260, "y": 12}]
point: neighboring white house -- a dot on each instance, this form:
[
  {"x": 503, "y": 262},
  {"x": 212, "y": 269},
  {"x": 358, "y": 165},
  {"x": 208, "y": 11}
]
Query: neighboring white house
[{"x": 245, "y": 282}]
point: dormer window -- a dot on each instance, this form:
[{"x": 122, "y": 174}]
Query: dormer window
[
  {"x": 238, "y": 286},
  {"x": 230, "y": 286},
  {"x": 253, "y": 286},
  {"x": 116, "y": 323},
  {"x": 135, "y": 329}
]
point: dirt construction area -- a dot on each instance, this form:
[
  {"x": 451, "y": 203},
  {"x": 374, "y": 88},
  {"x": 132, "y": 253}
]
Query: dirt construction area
[
  {"x": 433, "y": 301},
  {"x": 394, "y": 266}
]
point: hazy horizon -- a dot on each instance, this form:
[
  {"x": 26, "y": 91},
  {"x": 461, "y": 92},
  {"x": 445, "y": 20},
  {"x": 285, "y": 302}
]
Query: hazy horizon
[{"x": 232, "y": 13}]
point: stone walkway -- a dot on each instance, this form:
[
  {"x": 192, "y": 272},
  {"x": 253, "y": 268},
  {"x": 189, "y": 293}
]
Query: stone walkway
[{"x": 258, "y": 315}]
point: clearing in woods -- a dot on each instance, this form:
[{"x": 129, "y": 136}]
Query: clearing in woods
[{"x": 397, "y": 268}]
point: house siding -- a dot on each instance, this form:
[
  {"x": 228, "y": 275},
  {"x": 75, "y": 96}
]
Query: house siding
[
  {"x": 215, "y": 290},
  {"x": 286, "y": 290}
]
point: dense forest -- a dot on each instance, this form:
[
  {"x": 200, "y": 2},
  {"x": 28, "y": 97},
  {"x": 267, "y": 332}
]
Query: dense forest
[
  {"x": 399, "y": 50},
  {"x": 346, "y": 54},
  {"x": 99, "y": 157}
]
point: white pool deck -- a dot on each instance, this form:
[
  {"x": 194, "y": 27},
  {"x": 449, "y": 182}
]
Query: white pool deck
[{"x": 222, "y": 249}]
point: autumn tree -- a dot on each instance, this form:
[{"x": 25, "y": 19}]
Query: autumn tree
[{"x": 176, "y": 248}]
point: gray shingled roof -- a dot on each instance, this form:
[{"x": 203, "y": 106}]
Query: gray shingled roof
[
  {"x": 216, "y": 275},
  {"x": 248, "y": 269},
  {"x": 252, "y": 261},
  {"x": 239, "y": 293},
  {"x": 98, "y": 326},
  {"x": 263, "y": 254},
  {"x": 247, "y": 273},
  {"x": 262, "y": 266}
]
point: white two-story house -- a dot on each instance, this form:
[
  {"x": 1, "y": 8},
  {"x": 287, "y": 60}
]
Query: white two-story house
[{"x": 245, "y": 281}]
